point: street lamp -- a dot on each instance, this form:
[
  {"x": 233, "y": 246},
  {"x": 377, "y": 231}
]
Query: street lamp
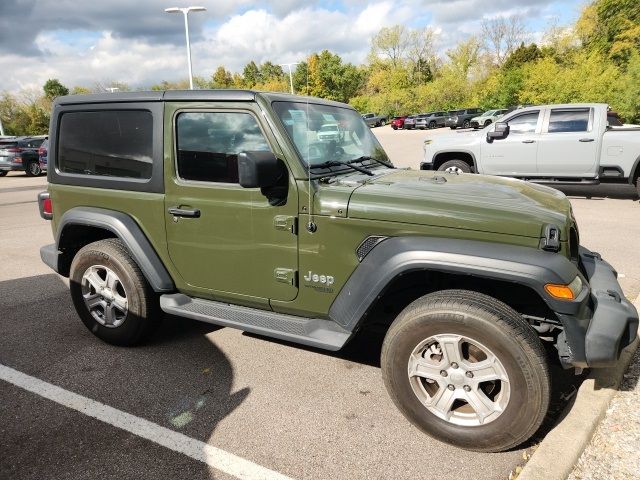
[
  {"x": 185, "y": 11},
  {"x": 290, "y": 74}
]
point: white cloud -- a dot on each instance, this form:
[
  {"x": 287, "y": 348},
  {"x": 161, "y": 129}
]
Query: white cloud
[{"x": 97, "y": 42}]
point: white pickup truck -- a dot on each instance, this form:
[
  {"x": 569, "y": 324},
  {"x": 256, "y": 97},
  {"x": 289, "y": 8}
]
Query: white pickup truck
[{"x": 561, "y": 144}]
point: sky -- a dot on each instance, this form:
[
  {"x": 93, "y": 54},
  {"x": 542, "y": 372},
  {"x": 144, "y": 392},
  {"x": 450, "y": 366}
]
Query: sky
[{"x": 89, "y": 42}]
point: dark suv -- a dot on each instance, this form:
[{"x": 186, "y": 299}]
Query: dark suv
[
  {"x": 20, "y": 153},
  {"x": 462, "y": 118}
]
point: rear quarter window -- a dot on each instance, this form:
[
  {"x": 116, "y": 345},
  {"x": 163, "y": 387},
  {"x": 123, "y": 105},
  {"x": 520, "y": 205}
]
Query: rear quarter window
[{"x": 106, "y": 143}]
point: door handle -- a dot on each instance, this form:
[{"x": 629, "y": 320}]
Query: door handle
[
  {"x": 586, "y": 140},
  {"x": 528, "y": 141},
  {"x": 184, "y": 212}
]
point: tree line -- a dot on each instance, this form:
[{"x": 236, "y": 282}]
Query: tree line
[{"x": 595, "y": 60}]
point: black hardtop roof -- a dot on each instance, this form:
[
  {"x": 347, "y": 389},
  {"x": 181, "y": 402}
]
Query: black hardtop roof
[{"x": 189, "y": 95}]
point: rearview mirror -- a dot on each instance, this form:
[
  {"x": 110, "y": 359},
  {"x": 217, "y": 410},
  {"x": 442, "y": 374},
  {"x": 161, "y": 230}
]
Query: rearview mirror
[
  {"x": 259, "y": 169},
  {"x": 500, "y": 132}
]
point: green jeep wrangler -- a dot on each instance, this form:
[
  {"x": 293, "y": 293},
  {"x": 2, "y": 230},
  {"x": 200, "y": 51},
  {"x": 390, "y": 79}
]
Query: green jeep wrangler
[{"x": 226, "y": 207}]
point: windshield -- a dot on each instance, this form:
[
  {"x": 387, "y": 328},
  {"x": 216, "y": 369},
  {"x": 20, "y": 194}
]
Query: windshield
[{"x": 353, "y": 139}]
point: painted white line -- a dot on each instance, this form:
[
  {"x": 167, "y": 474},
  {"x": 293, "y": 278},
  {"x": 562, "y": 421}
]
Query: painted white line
[{"x": 178, "y": 442}]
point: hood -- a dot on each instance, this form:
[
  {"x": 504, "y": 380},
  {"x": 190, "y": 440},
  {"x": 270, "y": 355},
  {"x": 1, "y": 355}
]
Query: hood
[{"x": 466, "y": 201}]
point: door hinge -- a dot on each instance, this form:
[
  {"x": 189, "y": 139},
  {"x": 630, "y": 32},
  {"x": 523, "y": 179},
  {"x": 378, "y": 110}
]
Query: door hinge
[
  {"x": 286, "y": 275},
  {"x": 286, "y": 223}
]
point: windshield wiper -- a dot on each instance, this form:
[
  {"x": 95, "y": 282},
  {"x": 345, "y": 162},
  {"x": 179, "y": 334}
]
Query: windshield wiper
[
  {"x": 367, "y": 157},
  {"x": 335, "y": 163}
]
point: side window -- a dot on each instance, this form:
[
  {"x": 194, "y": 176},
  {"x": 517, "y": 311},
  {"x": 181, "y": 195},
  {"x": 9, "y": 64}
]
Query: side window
[
  {"x": 525, "y": 123},
  {"x": 110, "y": 143},
  {"x": 574, "y": 120},
  {"x": 208, "y": 144}
]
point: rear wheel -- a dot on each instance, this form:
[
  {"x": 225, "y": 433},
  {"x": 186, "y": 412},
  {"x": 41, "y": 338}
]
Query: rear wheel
[
  {"x": 33, "y": 169},
  {"x": 455, "y": 166},
  {"x": 111, "y": 295},
  {"x": 3, "y": 173},
  {"x": 638, "y": 185},
  {"x": 432, "y": 124},
  {"x": 466, "y": 124},
  {"x": 468, "y": 370},
  {"x": 395, "y": 127},
  {"x": 383, "y": 122}
]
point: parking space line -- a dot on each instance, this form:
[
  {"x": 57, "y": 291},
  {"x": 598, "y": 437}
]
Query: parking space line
[{"x": 214, "y": 457}]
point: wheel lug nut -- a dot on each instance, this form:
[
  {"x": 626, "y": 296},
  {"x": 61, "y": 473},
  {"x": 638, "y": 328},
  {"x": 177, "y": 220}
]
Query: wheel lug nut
[
  {"x": 469, "y": 374},
  {"x": 443, "y": 373},
  {"x": 451, "y": 387},
  {"x": 454, "y": 365},
  {"x": 467, "y": 388}
]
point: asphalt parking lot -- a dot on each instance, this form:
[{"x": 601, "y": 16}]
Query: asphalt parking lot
[{"x": 299, "y": 412}]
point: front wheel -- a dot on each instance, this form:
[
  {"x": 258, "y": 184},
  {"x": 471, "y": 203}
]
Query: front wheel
[
  {"x": 455, "y": 166},
  {"x": 33, "y": 169},
  {"x": 3, "y": 173},
  {"x": 466, "y": 124},
  {"x": 487, "y": 123},
  {"x": 111, "y": 295},
  {"x": 468, "y": 370}
]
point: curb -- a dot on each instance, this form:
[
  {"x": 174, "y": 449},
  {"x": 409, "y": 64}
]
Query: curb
[{"x": 557, "y": 454}]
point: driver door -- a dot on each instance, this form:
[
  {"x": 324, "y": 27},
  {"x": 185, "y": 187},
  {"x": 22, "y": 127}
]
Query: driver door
[
  {"x": 516, "y": 155},
  {"x": 225, "y": 240}
]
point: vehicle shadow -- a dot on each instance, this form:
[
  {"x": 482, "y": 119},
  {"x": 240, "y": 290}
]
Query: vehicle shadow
[
  {"x": 599, "y": 192},
  {"x": 179, "y": 379}
]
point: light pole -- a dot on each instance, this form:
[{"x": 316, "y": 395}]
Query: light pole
[
  {"x": 290, "y": 74},
  {"x": 185, "y": 12}
]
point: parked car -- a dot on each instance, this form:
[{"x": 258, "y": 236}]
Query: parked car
[
  {"x": 487, "y": 118},
  {"x": 421, "y": 122},
  {"x": 42, "y": 155},
  {"x": 410, "y": 122},
  {"x": 374, "y": 120},
  {"x": 20, "y": 154},
  {"x": 432, "y": 120},
  {"x": 462, "y": 118},
  {"x": 398, "y": 122},
  {"x": 556, "y": 144},
  {"x": 478, "y": 283}
]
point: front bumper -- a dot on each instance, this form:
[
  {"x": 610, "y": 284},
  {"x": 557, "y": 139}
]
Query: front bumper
[
  {"x": 604, "y": 324},
  {"x": 426, "y": 166}
]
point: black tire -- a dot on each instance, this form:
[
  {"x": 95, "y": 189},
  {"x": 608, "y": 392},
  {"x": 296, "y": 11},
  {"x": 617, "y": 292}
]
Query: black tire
[
  {"x": 461, "y": 164},
  {"x": 32, "y": 169},
  {"x": 394, "y": 127},
  {"x": 432, "y": 124},
  {"x": 453, "y": 127},
  {"x": 495, "y": 325},
  {"x": 383, "y": 123},
  {"x": 487, "y": 123},
  {"x": 3, "y": 173},
  {"x": 143, "y": 310},
  {"x": 465, "y": 124},
  {"x": 638, "y": 186}
]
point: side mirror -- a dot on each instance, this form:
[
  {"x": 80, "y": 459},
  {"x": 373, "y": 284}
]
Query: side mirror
[
  {"x": 499, "y": 133},
  {"x": 259, "y": 169}
]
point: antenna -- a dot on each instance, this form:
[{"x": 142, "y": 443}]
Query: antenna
[{"x": 311, "y": 225}]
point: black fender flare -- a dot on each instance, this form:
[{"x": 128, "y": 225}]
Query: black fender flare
[
  {"x": 394, "y": 256},
  {"x": 127, "y": 230},
  {"x": 634, "y": 169}
]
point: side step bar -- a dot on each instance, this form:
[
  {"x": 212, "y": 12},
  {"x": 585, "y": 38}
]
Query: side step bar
[
  {"x": 559, "y": 181},
  {"x": 314, "y": 332}
]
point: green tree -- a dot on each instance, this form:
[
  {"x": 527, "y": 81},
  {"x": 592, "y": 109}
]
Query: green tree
[
  {"x": 251, "y": 74},
  {"x": 53, "y": 88},
  {"x": 521, "y": 55},
  {"x": 221, "y": 78}
]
